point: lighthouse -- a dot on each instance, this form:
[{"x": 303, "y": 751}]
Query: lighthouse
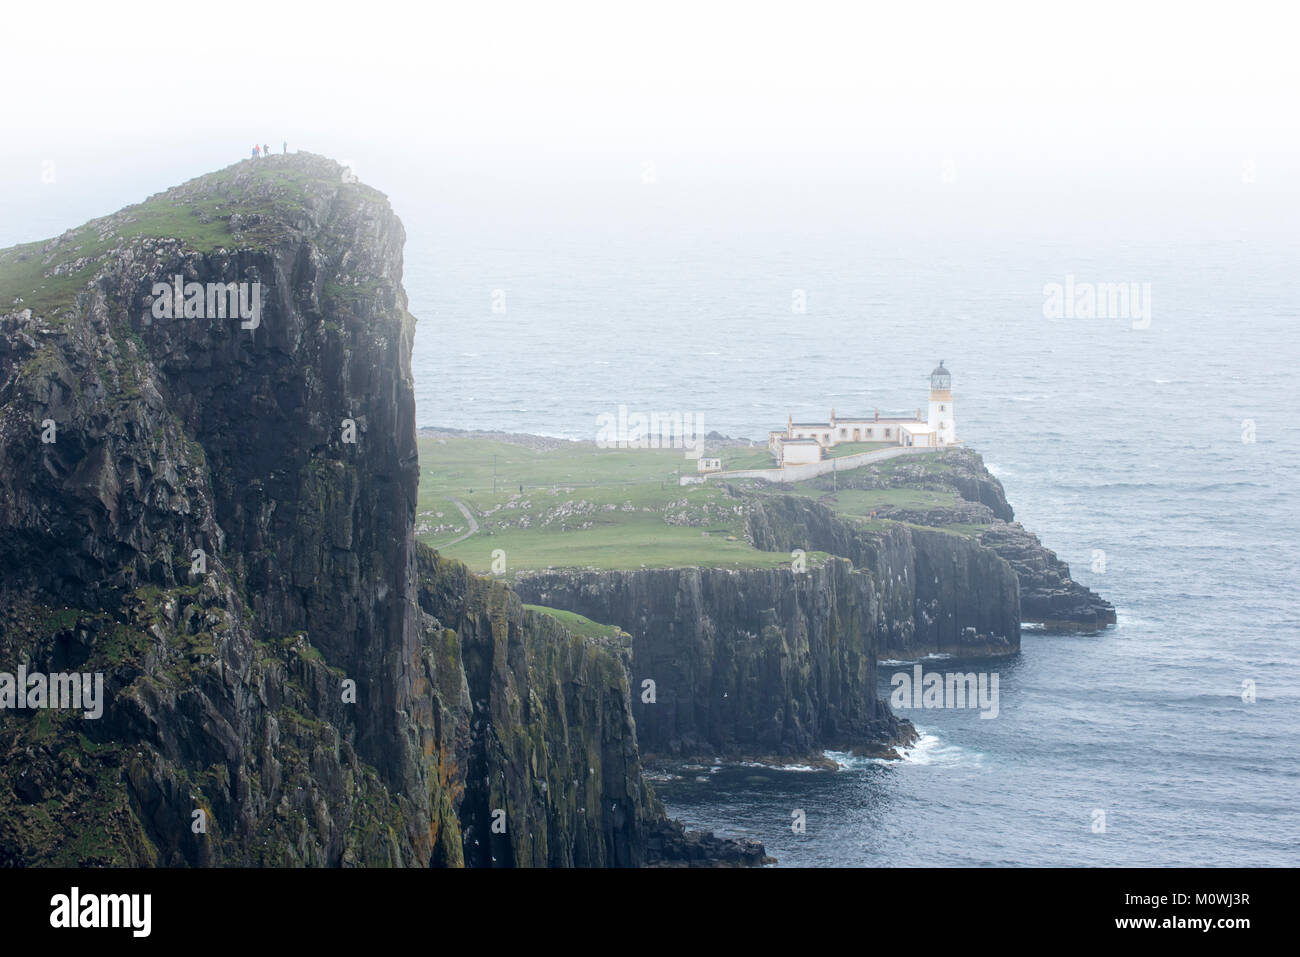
[{"x": 941, "y": 417}]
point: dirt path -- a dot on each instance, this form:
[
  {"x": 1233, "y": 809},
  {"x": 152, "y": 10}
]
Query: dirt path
[{"x": 469, "y": 517}]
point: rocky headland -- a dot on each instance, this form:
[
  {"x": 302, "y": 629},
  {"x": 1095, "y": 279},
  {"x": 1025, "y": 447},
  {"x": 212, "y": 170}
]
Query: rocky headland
[{"x": 217, "y": 514}]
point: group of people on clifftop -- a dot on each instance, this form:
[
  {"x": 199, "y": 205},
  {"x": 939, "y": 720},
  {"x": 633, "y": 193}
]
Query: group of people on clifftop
[{"x": 265, "y": 150}]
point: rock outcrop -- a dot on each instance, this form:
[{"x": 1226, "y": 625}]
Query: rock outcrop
[
  {"x": 1048, "y": 595},
  {"x": 939, "y": 593},
  {"x": 217, "y": 516}
]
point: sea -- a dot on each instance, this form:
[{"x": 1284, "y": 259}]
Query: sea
[{"x": 1157, "y": 454}]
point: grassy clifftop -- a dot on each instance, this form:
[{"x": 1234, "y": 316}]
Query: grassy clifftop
[
  {"x": 250, "y": 205},
  {"x": 559, "y": 504},
  {"x": 580, "y": 507},
  {"x": 523, "y": 504}
]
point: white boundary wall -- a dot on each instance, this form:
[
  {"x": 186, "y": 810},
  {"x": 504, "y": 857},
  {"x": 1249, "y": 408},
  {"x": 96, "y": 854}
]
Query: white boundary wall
[{"x": 798, "y": 473}]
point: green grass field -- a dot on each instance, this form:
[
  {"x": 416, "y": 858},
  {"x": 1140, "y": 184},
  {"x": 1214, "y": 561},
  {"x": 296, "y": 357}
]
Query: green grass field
[
  {"x": 861, "y": 503},
  {"x": 574, "y": 505},
  {"x": 581, "y": 507},
  {"x": 577, "y": 624},
  {"x": 755, "y": 458}
]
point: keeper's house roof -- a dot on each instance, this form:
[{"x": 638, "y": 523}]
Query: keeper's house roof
[
  {"x": 799, "y": 442},
  {"x": 868, "y": 419},
  {"x": 810, "y": 425}
]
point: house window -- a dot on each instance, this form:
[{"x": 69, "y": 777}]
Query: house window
[
  {"x": 843, "y": 432},
  {"x": 940, "y": 408},
  {"x": 868, "y": 433},
  {"x": 886, "y": 433}
]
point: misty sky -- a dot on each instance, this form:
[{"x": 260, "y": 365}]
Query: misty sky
[{"x": 974, "y": 117}]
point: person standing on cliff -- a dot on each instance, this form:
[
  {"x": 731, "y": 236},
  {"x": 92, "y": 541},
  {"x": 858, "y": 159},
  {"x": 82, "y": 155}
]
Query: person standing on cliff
[
  {"x": 256, "y": 151},
  {"x": 284, "y": 147},
  {"x": 266, "y": 149}
]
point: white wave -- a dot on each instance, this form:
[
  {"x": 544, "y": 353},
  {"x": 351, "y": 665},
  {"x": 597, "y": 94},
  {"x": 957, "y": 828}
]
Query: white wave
[
  {"x": 1125, "y": 620},
  {"x": 780, "y": 767},
  {"x": 895, "y": 662},
  {"x": 928, "y": 749}
]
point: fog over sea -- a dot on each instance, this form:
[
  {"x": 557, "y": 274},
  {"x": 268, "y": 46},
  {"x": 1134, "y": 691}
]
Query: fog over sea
[{"x": 1107, "y": 437}]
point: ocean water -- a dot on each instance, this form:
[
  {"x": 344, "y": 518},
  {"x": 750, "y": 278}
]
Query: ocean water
[{"x": 1113, "y": 442}]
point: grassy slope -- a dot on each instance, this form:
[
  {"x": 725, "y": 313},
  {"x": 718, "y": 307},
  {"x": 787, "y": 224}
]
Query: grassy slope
[
  {"x": 46, "y": 276},
  {"x": 583, "y": 507},
  {"x": 577, "y": 624}
]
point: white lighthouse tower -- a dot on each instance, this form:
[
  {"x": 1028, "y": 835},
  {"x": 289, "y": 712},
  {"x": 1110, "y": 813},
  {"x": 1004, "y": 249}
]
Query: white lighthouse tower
[{"x": 941, "y": 417}]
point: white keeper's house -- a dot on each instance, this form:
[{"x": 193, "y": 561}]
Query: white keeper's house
[{"x": 804, "y": 442}]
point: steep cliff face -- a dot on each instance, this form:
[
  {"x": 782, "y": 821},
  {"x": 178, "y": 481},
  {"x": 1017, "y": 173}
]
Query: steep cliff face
[
  {"x": 772, "y": 662},
  {"x": 763, "y": 662},
  {"x": 552, "y": 749},
  {"x": 218, "y": 517},
  {"x": 939, "y": 593},
  {"x": 196, "y": 513}
]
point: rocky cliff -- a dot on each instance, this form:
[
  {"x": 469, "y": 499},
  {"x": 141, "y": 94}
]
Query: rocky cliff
[
  {"x": 215, "y": 512},
  {"x": 757, "y": 662},
  {"x": 1048, "y": 595},
  {"x": 939, "y": 593},
  {"x": 764, "y": 662}
]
